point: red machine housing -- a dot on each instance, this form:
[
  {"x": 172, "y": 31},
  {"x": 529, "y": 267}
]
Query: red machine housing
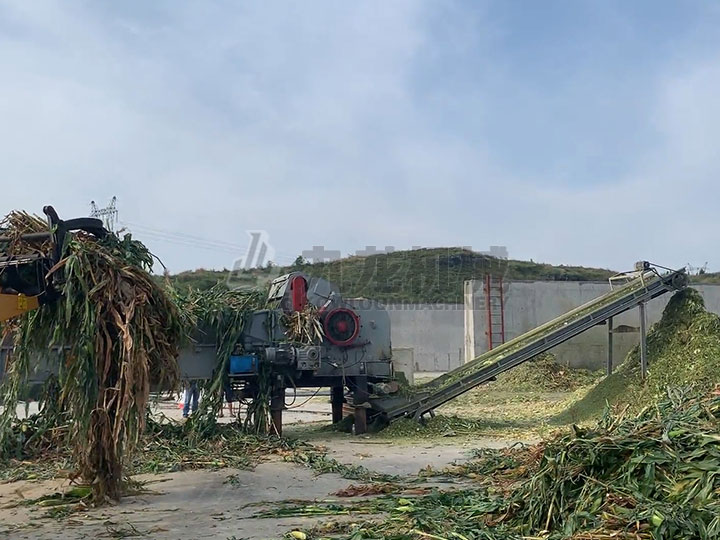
[{"x": 298, "y": 289}]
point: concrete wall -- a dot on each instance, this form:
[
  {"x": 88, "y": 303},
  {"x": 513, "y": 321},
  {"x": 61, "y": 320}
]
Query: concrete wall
[
  {"x": 404, "y": 363},
  {"x": 442, "y": 336},
  {"x": 529, "y": 304},
  {"x": 434, "y": 332}
]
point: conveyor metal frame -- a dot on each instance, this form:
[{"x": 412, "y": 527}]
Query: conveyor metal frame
[{"x": 427, "y": 402}]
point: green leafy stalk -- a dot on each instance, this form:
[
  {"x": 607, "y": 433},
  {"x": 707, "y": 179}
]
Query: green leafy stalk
[{"x": 218, "y": 315}]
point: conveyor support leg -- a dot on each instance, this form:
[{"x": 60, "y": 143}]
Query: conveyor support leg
[{"x": 643, "y": 341}]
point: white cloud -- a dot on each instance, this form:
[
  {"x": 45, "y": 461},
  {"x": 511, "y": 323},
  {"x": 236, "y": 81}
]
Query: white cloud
[{"x": 664, "y": 209}]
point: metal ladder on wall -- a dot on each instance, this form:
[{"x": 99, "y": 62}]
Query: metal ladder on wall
[{"x": 495, "y": 311}]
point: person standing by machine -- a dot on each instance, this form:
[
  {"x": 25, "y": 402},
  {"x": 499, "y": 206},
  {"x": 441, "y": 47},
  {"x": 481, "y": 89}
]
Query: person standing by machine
[
  {"x": 192, "y": 393},
  {"x": 227, "y": 395}
]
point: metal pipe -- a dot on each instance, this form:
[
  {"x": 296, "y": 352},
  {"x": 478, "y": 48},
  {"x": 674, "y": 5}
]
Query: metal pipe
[
  {"x": 643, "y": 341},
  {"x": 609, "y": 369},
  {"x": 30, "y": 237}
]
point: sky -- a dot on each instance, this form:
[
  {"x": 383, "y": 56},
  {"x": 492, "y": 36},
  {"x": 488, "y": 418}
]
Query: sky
[{"x": 571, "y": 132}]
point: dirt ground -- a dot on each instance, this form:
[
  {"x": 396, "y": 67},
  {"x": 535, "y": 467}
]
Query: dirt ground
[
  {"x": 206, "y": 504},
  {"x": 192, "y": 504},
  {"x": 221, "y": 504}
]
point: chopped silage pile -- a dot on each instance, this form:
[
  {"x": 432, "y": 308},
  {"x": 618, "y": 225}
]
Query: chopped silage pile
[
  {"x": 437, "y": 426},
  {"x": 683, "y": 350},
  {"x": 544, "y": 374}
]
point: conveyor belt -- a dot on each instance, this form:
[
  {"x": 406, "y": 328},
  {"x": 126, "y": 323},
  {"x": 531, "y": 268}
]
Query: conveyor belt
[{"x": 513, "y": 353}]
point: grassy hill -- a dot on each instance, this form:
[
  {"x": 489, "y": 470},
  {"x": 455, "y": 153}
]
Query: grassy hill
[
  {"x": 710, "y": 278},
  {"x": 423, "y": 275}
]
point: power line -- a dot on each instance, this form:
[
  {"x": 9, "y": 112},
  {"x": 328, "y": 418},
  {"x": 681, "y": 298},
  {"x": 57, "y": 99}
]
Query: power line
[
  {"x": 188, "y": 241},
  {"x": 183, "y": 239},
  {"x": 193, "y": 243},
  {"x": 183, "y": 236}
]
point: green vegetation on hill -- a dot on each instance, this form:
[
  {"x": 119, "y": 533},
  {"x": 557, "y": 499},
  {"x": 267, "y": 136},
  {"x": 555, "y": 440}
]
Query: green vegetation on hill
[
  {"x": 708, "y": 278},
  {"x": 422, "y": 275},
  {"x": 200, "y": 279}
]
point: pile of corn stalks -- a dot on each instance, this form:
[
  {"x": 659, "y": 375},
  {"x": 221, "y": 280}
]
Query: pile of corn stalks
[
  {"x": 115, "y": 332},
  {"x": 652, "y": 475},
  {"x": 304, "y": 327}
]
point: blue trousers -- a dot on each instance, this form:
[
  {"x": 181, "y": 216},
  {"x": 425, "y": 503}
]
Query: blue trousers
[{"x": 191, "y": 392}]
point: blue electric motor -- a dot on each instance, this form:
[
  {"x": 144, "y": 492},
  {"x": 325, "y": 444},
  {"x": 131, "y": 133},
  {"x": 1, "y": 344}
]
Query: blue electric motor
[{"x": 242, "y": 364}]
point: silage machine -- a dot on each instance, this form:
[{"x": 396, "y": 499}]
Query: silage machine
[
  {"x": 352, "y": 350},
  {"x": 355, "y": 351}
]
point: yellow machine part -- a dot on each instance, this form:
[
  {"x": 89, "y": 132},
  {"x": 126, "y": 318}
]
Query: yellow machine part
[{"x": 12, "y": 305}]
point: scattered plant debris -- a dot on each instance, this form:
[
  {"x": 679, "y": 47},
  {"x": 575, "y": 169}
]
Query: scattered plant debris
[
  {"x": 171, "y": 446},
  {"x": 649, "y": 475},
  {"x": 366, "y": 490},
  {"x": 318, "y": 460}
]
